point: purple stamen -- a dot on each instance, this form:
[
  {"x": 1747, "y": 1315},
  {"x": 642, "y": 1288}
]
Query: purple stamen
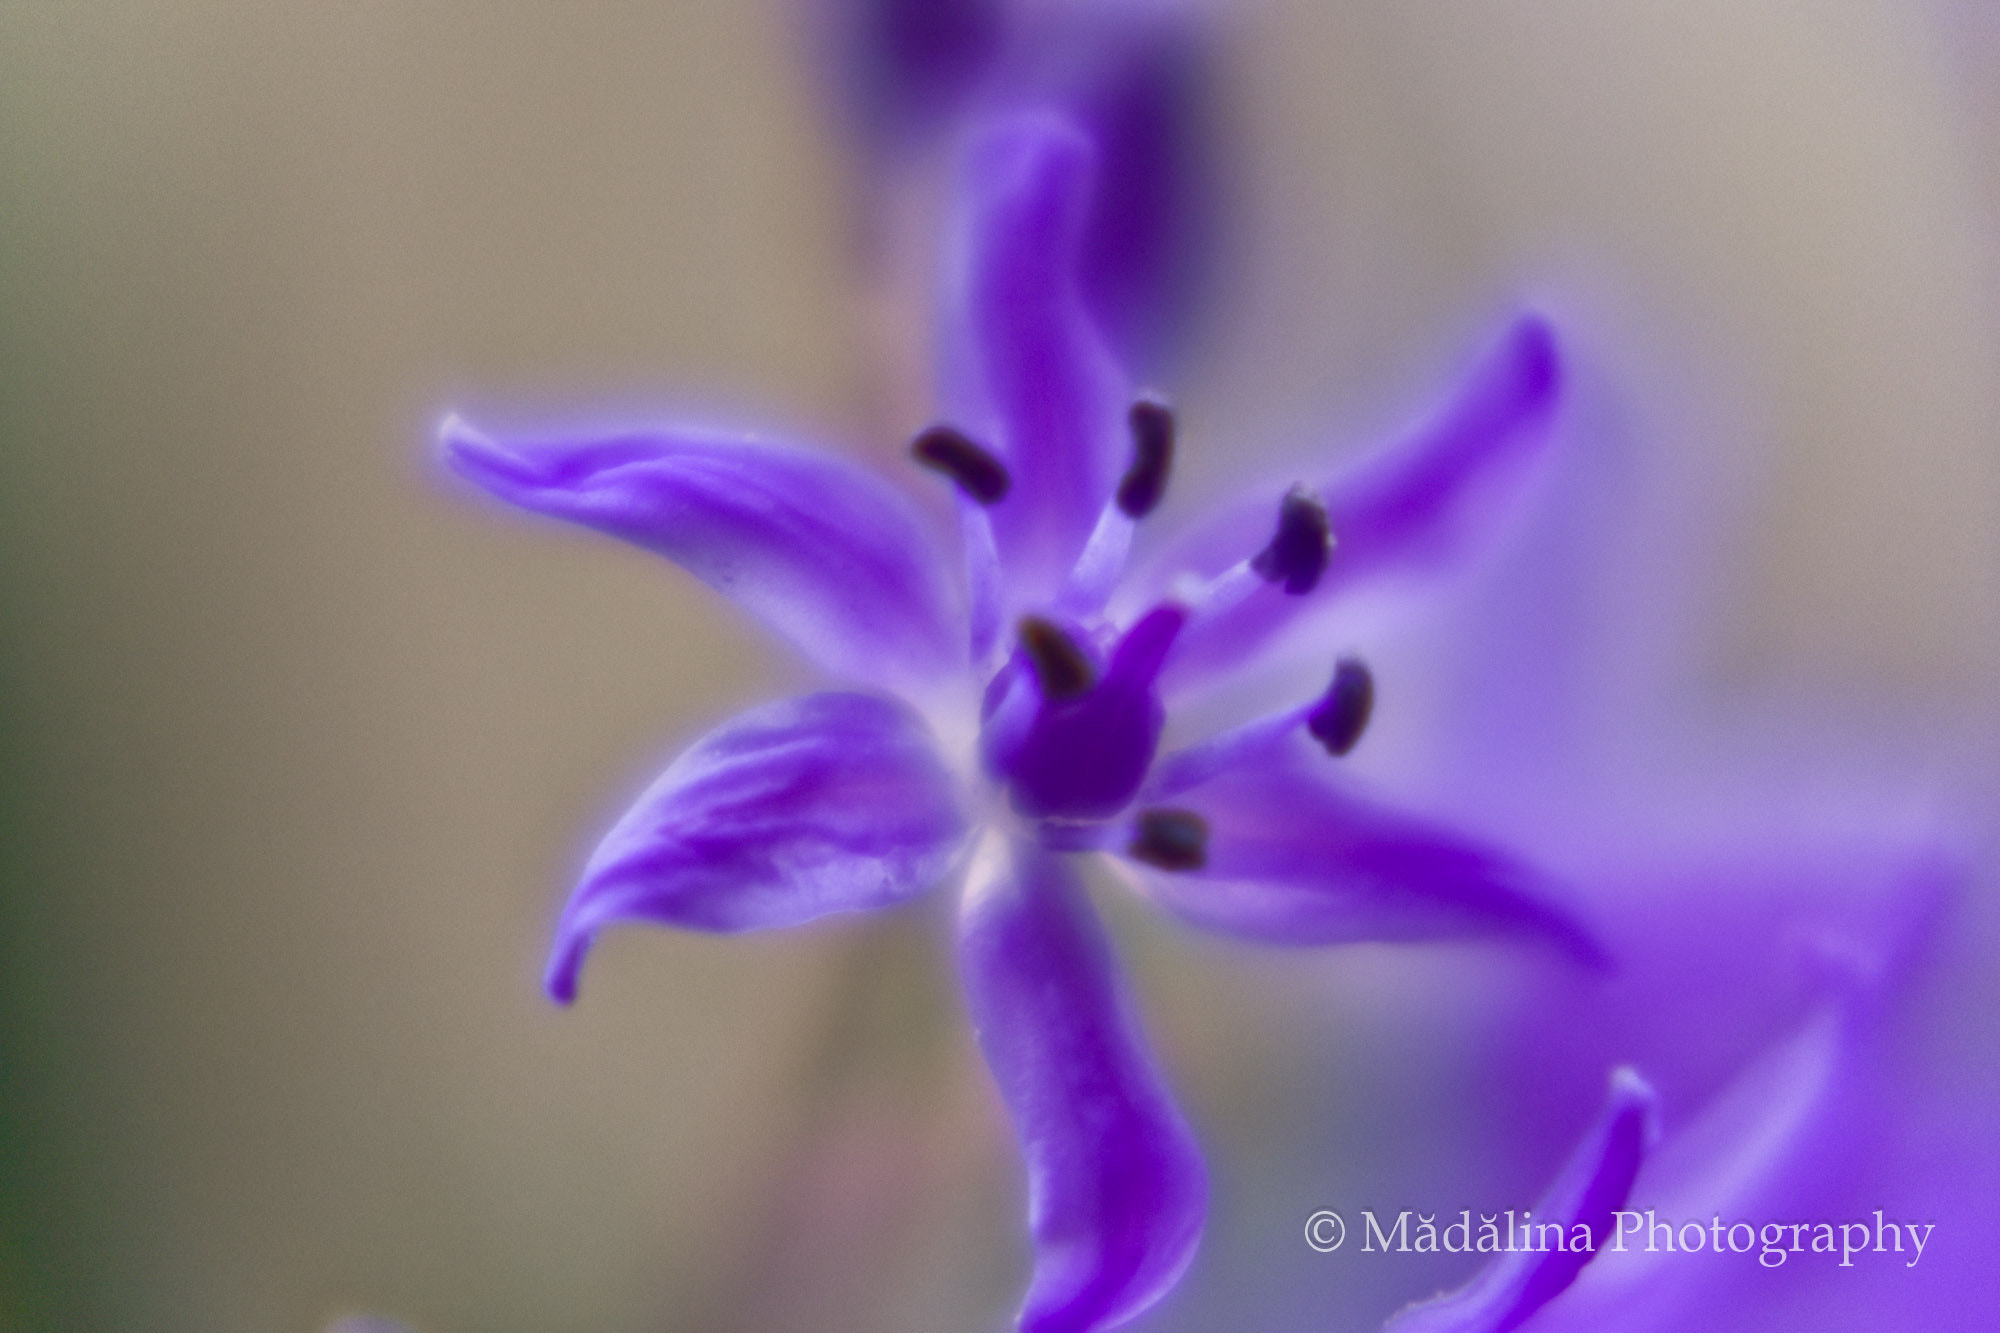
[
  {"x": 1152, "y": 424},
  {"x": 1103, "y": 559},
  {"x": 1170, "y": 840},
  {"x": 1297, "y": 554},
  {"x": 1342, "y": 715},
  {"x": 951, "y": 451}
]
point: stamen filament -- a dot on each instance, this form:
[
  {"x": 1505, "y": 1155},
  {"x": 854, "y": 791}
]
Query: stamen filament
[
  {"x": 984, "y": 592},
  {"x": 1225, "y": 592},
  {"x": 1102, "y": 563},
  {"x": 1295, "y": 557},
  {"x": 1336, "y": 720},
  {"x": 1186, "y": 769}
]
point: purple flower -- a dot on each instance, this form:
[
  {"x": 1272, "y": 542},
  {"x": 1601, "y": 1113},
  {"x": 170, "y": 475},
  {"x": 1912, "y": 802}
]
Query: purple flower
[
  {"x": 999, "y": 724},
  {"x": 1639, "y": 1219},
  {"x": 1138, "y": 76},
  {"x": 1562, "y": 1232},
  {"x": 1778, "y": 918}
]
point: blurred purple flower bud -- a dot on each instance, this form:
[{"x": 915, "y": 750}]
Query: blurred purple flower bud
[
  {"x": 903, "y": 70},
  {"x": 1136, "y": 76},
  {"x": 1139, "y": 78}
]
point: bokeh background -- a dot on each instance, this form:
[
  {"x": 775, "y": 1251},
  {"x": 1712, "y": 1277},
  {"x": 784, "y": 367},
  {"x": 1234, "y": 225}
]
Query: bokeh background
[{"x": 300, "y": 746}]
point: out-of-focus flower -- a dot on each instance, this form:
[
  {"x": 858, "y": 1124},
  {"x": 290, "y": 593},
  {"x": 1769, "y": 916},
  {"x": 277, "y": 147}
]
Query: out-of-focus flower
[
  {"x": 1635, "y": 1236},
  {"x": 1137, "y": 76},
  {"x": 1010, "y": 721},
  {"x": 1775, "y": 909},
  {"x": 903, "y": 71}
]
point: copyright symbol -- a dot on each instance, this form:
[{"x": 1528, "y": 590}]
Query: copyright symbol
[{"x": 1325, "y": 1230}]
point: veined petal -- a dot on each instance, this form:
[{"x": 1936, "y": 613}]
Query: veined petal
[
  {"x": 1286, "y": 856},
  {"x": 1031, "y": 365},
  {"x": 1116, "y": 1187},
  {"x": 826, "y": 803},
  {"x": 1593, "y": 1185},
  {"x": 827, "y": 554},
  {"x": 1417, "y": 505}
]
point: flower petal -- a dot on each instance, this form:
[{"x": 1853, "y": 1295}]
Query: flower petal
[
  {"x": 1416, "y": 506},
  {"x": 1116, "y": 1187},
  {"x": 1031, "y": 367},
  {"x": 1593, "y": 1185},
  {"x": 823, "y": 552},
  {"x": 826, "y": 803},
  {"x": 1420, "y": 502},
  {"x": 1751, "y": 1151},
  {"x": 1140, "y": 79},
  {"x": 1292, "y": 858}
]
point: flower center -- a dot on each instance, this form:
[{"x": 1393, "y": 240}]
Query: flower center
[{"x": 1070, "y": 741}]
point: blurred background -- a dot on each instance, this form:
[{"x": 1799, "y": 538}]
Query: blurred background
[{"x": 300, "y": 746}]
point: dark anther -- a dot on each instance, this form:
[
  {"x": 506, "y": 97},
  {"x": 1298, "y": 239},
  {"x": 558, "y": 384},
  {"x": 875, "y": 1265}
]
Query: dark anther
[
  {"x": 1297, "y": 553},
  {"x": 1060, "y": 666},
  {"x": 1343, "y": 714},
  {"x": 1145, "y": 481},
  {"x": 949, "y": 450},
  {"x": 1170, "y": 839}
]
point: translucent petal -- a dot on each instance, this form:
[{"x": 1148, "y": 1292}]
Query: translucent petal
[
  {"x": 1029, "y": 366},
  {"x": 1592, "y": 1186},
  {"x": 825, "y": 553},
  {"x": 1293, "y": 858},
  {"x": 827, "y": 803},
  {"x": 1420, "y": 505},
  {"x": 1116, "y": 1187}
]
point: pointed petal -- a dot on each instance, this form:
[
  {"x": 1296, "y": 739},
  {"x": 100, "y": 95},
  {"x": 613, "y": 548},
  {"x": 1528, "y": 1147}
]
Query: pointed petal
[
  {"x": 1753, "y": 1152},
  {"x": 1031, "y": 367},
  {"x": 828, "y": 555},
  {"x": 1419, "y": 505},
  {"x": 1292, "y": 858},
  {"x": 1593, "y": 1185},
  {"x": 1116, "y": 1187},
  {"x": 827, "y": 803},
  {"x": 1424, "y": 500}
]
